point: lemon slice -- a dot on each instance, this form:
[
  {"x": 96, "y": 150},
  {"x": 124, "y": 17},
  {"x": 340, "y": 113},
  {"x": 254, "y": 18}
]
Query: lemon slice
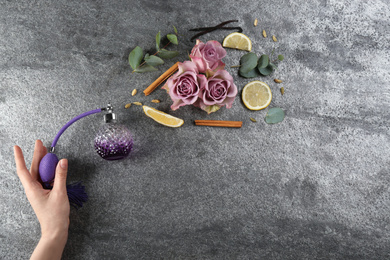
[
  {"x": 256, "y": 95},
  {"x": 237, "y": 41},
  {"x": 163, "y": 118}
]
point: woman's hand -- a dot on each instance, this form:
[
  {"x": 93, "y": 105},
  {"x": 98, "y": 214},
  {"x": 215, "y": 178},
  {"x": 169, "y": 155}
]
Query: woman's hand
[{"x": 50, "y": 206}]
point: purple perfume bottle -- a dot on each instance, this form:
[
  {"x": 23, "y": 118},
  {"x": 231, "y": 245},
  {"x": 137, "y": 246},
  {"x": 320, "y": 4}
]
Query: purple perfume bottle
[{"x": 113, "y": 141}]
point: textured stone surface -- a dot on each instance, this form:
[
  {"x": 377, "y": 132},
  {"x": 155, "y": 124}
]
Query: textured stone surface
[{"x": 315, "y": 186}]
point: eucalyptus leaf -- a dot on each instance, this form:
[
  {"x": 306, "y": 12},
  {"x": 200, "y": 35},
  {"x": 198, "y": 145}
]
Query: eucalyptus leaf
[
  {"x": 158, "y": 40},
  {"x": 135, "y": 57},
  {"x": 280, "y": 57},
  {"x": 274, "y": 115},
  {"x": 266, "y": 71},
  {"x": 167, "y": 54},
  {"x": 153, "y": 60},
  {"x": 263, "y": 61},
  {"x": 174, "y": 28},
  {"x": 274, "y": 66},
  {"x": 145, "y": 68},
  {"x": 251, "y": 74},
  {"x": 248, "y": 62},
  {"x": 172, "y": 38}
]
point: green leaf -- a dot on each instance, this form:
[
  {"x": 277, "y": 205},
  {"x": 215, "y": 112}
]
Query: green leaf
[
  {"x": 211, "y": 109},
  {"x": 248, "y": 62},
  {"x": 266, "y": 71},
  {"x": 274, "y": 115},
  {"x": 251, "y": 74},
  {"x": 263, "y": 61},
  {"x": 158, "y": 40},
  {"x": 145, "y": 68},
  {"x": 153, "y": 60},
  {"x": 135, "y": 57},
  {"x": 172, "y": 38},
  {"x": 174, "y": 28},
  {"x": 280, "y": 57},
  {"x": 167, "y": 54},
  {"x": 274, "y": 66}
]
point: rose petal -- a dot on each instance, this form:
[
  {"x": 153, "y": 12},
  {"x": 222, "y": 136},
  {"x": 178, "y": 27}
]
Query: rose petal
[
  {"x": 190, "y": 100},
  {"x": 219, "y": 65},
  {"x": 232, "y": 91},
  {"x": 177, "y": 103},
  {"x": 223, "y": 74},
  {"x": 187, "y": 66},
  {"x": 212, "y": 81},
  {"x": 196, "y": 49},
  {"x": 207, "y": 100},
  {"x": 229, "y": 102},
  {"x": 202, "y": 81},
  {"x": 200, "y": 63}
]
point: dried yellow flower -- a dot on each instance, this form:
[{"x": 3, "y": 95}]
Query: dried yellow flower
[
  {"x": 264, "y": 34},
  {"x": 274, "y": 38},
  {"x": 137, "y": 103},
  {"x": 128, "y": 105},
  {"x": 255, "y": 22},
  {"x": 282, "y": 90},
  {"x": 252, "y": 119},
  {"x": 156, "y": 101},
  {"x": 134, "y": 92},
  {"x": 278, "y": 80}
]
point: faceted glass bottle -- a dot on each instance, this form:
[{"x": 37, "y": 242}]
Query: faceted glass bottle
[{"x": 113, "y": 141}]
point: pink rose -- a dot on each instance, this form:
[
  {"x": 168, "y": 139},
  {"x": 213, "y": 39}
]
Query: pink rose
[
  {"x": 184, "y": 86},
  {"x": 219, "y": 91},
  {"x": 207, "y": 56}
]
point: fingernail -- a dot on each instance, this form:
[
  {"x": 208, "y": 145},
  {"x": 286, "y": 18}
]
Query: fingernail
[{"x": 64, "y": 164}]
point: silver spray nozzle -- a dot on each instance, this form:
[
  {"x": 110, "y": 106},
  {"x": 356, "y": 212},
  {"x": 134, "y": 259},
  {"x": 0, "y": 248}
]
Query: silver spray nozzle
[{"x": 110, "y": 116}]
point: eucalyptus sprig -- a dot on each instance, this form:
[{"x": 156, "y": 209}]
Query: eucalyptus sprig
[
  {"x": 141, "y": 63},
  {"x": 251, "y": 66}
]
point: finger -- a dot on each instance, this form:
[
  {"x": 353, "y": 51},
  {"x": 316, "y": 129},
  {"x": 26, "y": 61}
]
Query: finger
[
  {"x": 39, "y": 152},
  {"x": 21, "y": 168},
  {"x": 60, "y": 177}
]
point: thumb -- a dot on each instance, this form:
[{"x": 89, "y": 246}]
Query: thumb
[{"x": 60, "y": 176}]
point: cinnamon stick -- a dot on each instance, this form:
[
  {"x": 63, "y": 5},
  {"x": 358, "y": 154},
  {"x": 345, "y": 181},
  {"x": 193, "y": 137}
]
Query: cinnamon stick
[
  {"x": 219, "y": 123},
  {"x": 161, "y": 79}
]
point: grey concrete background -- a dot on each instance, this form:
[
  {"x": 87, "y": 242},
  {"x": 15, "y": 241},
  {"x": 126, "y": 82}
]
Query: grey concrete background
[{"x": 315, "y": 186}]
